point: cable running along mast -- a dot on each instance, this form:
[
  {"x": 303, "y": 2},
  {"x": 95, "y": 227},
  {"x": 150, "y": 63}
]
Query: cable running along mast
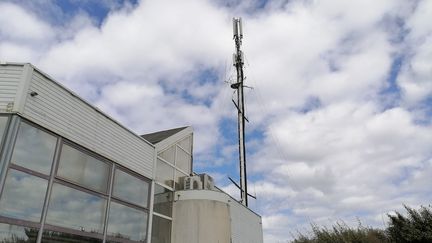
[{"x": 238, "y": 61}]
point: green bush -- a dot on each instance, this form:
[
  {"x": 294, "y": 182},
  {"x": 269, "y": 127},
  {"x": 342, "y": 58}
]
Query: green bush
[
  {"x": 340, "y": 232},
  {"x": 414, "y": 227}
]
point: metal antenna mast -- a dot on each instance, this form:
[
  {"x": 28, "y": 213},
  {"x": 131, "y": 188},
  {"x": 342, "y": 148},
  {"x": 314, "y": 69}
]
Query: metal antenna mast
[{"x": 238, "y": 61}]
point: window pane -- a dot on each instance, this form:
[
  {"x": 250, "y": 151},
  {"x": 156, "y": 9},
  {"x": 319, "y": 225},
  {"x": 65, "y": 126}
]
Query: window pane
[
  {"x": 162, "y": 200},
  {"x": 183, "y": 160},
  {"x": 164, "y": 173},
  {"x": 168, "y": 155},
  {"x": 23, "y": 196},
  {"x": 83, "y": 169},
  {"x": 130, "y": 188},
  {"x": 60, "y": 237},
  {"x": 3, "y": 122},
  {"x": 127, "y": 223},
  {"x": 13, "y": 233},
  {"x": 34, "y": 149},
  {"x": 161, "y": 230},
  {"x": 76, "y": 209},
  {"x": 186, "y": 144}
]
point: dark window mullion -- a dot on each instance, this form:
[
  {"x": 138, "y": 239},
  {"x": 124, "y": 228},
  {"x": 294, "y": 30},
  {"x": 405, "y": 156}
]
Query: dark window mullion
[
  {"x": 7, "y": 148},
  {"x": 128, "y": 204},
  {"x": 98, "y": 160},
  {"x": 132, "y": 173},
  {"x": 110, "y": 189},
  {"x": 79, "y": 187},
  {"x": 120, "y": 240},
  {"x": 49, "y": 189},
  {"x": 86, "y": 152},
  {"x": 28, "y": 171},
  {"x": 72, "y": 231},
  {"x": 18, "y": 222},
  {"x": 4, "y": 131}
]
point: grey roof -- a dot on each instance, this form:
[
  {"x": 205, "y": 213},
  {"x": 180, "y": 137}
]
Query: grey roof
[{"x": 156, "y": 137}]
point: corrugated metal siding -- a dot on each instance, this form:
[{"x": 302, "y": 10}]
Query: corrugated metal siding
[
  {"x": 246, "y": 227},
  {"x": 10, "y": 78},
  {"x": 62, "y": 112}
]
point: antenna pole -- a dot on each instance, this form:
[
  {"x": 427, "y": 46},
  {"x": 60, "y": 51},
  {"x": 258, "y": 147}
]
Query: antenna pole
[{"x": 238, "y": 61}]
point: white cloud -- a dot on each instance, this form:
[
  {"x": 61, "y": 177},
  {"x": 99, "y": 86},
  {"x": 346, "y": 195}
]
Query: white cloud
[
  {"x": 28, "y": 28},
  {"x": 415, "y": 80},
  {"x": 346, "y": 158}
]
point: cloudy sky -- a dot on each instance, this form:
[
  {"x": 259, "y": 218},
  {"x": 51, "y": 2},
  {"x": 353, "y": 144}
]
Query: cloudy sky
[{"x": 340, "y": 106}]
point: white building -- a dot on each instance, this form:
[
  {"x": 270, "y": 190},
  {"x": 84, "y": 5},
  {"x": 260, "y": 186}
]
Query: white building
[{"x": 70, "y": 173}]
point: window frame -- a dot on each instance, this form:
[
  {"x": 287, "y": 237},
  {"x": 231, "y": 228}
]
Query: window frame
[
  {"x": 81, "y": 189},
  {"x": 167, "y": 218},
  {"x": 191, "y": 144},
  {"x": 169, "y": 189},
  {"x": 174, "y": 165},
  {"x": 179, "y": 147},
  {"x": 170, "y": 165},
  {"x": 34, "y": 175},
  {"x": 89, "y": 153},
  {"x": 136, "y": 175},
  {"x": 113, "y": 238},
  {"x": 6, "y": 129},
  {"x": 15, "y": 139},
  {"x": 60, "y": 229},
  {"x": 10, "y": 165}
]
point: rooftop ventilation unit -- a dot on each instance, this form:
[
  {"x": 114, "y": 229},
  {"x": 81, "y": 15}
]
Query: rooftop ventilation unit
[
  {"x": 207, "y": 181},
  {"x": 192, "y": 183}
]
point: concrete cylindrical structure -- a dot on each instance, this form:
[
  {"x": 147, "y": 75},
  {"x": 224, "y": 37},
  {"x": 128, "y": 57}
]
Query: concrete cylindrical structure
[{"x": 201, "y": 216}]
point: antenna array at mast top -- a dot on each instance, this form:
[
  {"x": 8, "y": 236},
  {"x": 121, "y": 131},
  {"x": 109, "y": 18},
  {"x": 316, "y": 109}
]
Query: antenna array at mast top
[{"x": 237, "y": 28}]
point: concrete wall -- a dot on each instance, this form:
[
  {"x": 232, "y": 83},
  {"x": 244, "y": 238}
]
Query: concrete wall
[
  {"x": 246, "y": 226},
  {"x": 203, "y": 219},
  {"x": 213, "y": 216}
]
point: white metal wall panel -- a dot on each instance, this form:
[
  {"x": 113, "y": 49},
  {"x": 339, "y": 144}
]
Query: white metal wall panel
[
  {"x": 10, "y": 79},
  {"x": 246, "y": 226},
  {"x": 64, "y": 113}
]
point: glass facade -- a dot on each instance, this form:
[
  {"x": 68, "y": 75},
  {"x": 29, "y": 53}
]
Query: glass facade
[
  {"x": 168, "y": 155},
  {"x": 18, "y": 189},
  {"x": 127, "y": 222},
  {"x": 164, "y": 173},
  {"x": 49, "y": 236},
  {"x": 163, "y": 198},
  {"x": 17, "y": 234},
  {"x": 34, "y": 149},
  {"x": 173, "y": 164},
  {"x": 61, "y": 192},
  {"x": 57, "y": 191},
  {"x": 186, "y": 144},
  {"x": 79, "y": 167},
  {"x": 183, "y": 160},
  {"x": 76, "y": 209},
  {"x": 130, "y": 188},
  {"x": 161, "y": 230}
]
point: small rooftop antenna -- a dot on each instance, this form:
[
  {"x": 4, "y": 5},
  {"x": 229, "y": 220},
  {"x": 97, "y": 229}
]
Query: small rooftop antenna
[{"x": 238, "y": 61}]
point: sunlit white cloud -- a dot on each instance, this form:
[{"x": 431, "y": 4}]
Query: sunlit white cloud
[{"x": 336, "y": 130}]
